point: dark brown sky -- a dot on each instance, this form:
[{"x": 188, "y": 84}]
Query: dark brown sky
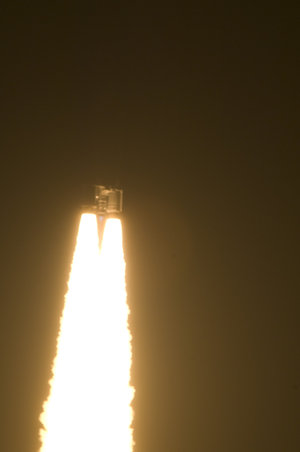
[{"x": 194, "y": 113}]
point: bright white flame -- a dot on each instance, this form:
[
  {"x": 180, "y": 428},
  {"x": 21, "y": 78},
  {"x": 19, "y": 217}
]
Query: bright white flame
[{"x": 88, "y": 409}]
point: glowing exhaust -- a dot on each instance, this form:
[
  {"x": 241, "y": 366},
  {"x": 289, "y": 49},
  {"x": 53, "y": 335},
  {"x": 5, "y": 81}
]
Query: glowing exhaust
[{"x": 89, "y": 405}]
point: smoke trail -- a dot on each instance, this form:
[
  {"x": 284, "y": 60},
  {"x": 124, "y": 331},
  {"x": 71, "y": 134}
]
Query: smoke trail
[{"x": 88, "y": 408}]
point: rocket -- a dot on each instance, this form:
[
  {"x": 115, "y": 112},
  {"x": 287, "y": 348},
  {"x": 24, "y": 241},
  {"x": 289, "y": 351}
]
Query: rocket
[{"x": 107, "y": 203}]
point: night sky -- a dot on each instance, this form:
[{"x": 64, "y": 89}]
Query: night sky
[{"x": 193, "y": 112}]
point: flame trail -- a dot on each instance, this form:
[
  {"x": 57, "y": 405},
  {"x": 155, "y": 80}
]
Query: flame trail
[{"x": 88, "y": 409}]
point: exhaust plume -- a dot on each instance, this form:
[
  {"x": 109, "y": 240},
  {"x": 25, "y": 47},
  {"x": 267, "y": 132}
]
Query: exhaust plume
[{"x": 89, "y": 405}]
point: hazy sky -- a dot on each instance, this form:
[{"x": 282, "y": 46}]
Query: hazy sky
[{"x": 194, "y": 113}]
